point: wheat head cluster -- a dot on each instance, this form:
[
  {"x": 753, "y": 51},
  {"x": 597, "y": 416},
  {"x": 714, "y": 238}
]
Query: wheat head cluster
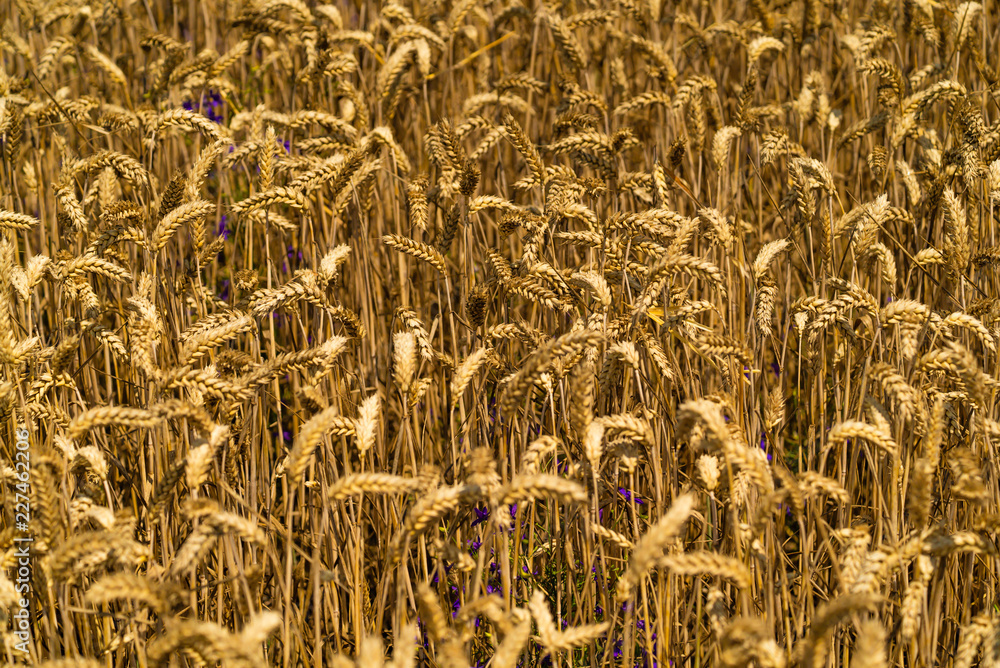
[{"x": 502, "y": 333}]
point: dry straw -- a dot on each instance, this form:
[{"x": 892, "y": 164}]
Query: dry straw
[{"x": 470, "y": 323}]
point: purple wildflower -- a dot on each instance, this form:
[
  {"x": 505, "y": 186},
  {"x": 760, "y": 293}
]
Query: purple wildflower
[
  {"x": 211, "y": 106},
  {"x": 482, "y": 514},
  {"x": 627, "y": 494}
]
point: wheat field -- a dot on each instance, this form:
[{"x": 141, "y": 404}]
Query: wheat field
[{"x": 500, "y": 333}]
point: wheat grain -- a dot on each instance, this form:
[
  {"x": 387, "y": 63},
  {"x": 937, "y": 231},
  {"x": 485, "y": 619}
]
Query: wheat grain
[
  {"x": 418, "y": 250},
  {"x": 652, "y": 544},
  {"x": 310, "y": 435}
]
